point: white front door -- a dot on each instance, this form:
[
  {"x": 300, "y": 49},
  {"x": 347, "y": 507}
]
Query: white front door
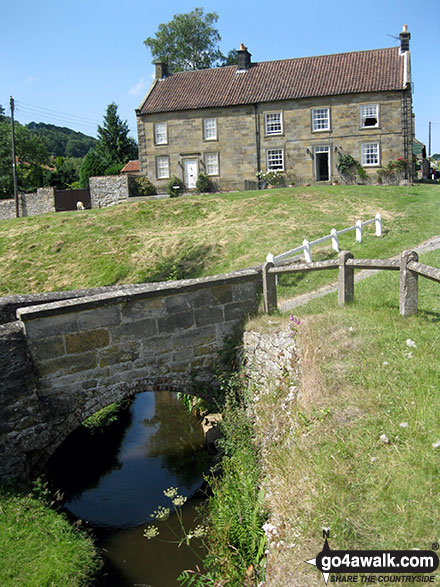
[{"x": 191, "y": 169}]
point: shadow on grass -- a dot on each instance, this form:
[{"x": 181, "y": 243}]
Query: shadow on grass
[{"x": 188, "y": 263}]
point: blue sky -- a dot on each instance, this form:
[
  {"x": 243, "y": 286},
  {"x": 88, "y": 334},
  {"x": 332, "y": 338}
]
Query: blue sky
[{"x": 65, "y": 61}]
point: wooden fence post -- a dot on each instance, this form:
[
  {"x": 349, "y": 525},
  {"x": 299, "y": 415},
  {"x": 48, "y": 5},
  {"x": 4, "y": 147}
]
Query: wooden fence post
[
  {"x": 269, "y": 289},
  {"x": 345, "y": 279},
  {"x": 408, "y": 284}
]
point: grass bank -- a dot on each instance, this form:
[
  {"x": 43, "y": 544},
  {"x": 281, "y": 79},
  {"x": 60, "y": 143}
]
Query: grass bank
[
  {"x": 209, "y": 234},
  {"x": 39, "y": 546},
  {"x": 358, "y": 451}
]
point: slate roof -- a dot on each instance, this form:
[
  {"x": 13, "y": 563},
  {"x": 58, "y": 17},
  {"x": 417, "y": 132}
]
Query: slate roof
[{"x": 270, "y": 81}]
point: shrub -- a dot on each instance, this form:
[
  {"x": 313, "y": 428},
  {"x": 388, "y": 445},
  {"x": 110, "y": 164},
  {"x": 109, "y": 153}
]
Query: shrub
[
  {"x": 175, "y": 187},
  {"x": 394, "y": 172},
  {"x": 350, "y": 169},
  {"x": 144, "y": 187},
  {"x": 114, "y": 169},
  {"x": 272, "y": 178},
  {"x": 204, "y": 184}
]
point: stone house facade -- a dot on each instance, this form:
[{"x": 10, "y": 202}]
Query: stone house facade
[{"x": 295, "y": 115}]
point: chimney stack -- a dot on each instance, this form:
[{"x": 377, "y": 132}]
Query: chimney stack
[
  {"x": 244, "y": 58},
  {"x": 161, "y": 69},
  {"x": 404, "y": 39}
]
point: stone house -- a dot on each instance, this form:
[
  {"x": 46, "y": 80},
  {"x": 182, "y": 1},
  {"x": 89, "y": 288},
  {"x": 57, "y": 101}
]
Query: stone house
[{"x": 292, "y": 115}]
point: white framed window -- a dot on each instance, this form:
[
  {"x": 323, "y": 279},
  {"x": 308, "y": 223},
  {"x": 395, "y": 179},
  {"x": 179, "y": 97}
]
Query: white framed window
[
  {"x": 369, "y": 115},
  {"x": 275, "y": 159},
  {"x": 370, "y": 154},
  {"x": 162, "y": 167},
  {"x": 160, "y": 133},
  {"x": 210, "y": 129},
  {"x": 273, "y": 123},
  {"x": 211, "y": 163},
  {"x": 320, "y": 119}
]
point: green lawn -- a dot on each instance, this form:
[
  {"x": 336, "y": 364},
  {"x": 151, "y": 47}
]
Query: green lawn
[
  {"x": 207, "y": 234},
  {"x": 359, "y": 451}
]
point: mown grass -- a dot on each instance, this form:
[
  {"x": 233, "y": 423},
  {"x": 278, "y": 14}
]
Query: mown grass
[
  {"x": 39, "y": 546},
  {"x": 358, "y": 453},
  {"x": 201, "y": 235}
]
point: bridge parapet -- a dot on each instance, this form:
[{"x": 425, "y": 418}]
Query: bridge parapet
[{"x": 90, "y": 351}]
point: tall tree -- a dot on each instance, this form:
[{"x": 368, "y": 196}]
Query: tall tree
[
  {"x": 189, "y": 41},
  {"x": 114, "y": 144}
]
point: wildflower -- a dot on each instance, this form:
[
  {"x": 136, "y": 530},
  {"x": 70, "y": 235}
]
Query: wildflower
[
  {"x": 179, "y": 500},
  {"x": 436, "y": 444},
  {"x": 403, "y": 424},
  {"x": 162, "y": 513},
  {"x": 384, "y": 438},
  {"x": 151, "y": 532},
  {"x": 170, "y": 492},
  {"x": 199, "y": 531},
  {"x": 411, "y": 343}
]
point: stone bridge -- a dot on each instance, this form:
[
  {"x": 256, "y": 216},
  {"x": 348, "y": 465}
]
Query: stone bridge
[{"x": 64, "y": 356}]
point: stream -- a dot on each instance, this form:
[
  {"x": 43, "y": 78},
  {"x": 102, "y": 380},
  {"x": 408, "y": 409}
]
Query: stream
[{"x": 114, "y": 484}]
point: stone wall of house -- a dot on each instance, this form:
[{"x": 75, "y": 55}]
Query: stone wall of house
[
  {"x": 109, "y": 190},
  {"x": 72, "y": 357},
  {"x": 239, "y": 147},
  {"x": 41, "y": 202}
]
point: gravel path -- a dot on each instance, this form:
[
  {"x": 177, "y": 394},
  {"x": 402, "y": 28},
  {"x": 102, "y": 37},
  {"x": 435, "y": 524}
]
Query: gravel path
[{"x": 285, "y": 305}]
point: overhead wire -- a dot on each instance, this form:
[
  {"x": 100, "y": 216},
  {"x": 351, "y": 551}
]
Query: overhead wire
[{"x": 55, "y": 116}]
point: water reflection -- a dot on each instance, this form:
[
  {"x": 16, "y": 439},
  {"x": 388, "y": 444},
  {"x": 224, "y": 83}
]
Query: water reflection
[{"x": 162, "y": 446}]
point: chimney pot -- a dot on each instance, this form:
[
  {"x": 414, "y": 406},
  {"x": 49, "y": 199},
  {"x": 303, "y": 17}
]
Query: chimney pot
[{"x": 404, "y": 39}]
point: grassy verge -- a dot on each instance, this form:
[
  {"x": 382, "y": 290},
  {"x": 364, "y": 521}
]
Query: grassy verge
[
  {"x": 358, "y": 450},
  {"x": 235, "y": 542},
  {"x": 39, "y": 546},
  {"x": 200, "y": 235}
]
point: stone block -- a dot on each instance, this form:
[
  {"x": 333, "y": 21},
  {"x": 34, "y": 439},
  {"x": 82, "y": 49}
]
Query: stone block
[
  {"x": 67, "y": 365},
  {"x": 99, "y": 317},
  {"x": 176, "y": 322},
  {"x": 138, "y": 329},
  {"x": 244, "y": 291},
  {"x": 45, "y": 327},
  {"x": 47, "y": 348},
  {"x": 139, "y": 309},
  {"x": 221, "y": 294},
  {"x": 120, "y": 353},
  {"x": 206, "y": 316},
  {"x": 80, "y": 342}
]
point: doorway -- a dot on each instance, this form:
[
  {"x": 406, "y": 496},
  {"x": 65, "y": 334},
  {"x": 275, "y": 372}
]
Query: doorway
[
  {"x": 322, "y": 163},
  {"x": 190, "y": 167}
]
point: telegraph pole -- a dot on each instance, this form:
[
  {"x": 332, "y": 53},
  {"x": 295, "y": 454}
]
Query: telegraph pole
[
  {"x": 14, "y": 161},
  {"x": 429, "y": 140}
]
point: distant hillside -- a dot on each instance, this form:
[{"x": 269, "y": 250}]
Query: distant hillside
[{"x": 62, "y": 141}]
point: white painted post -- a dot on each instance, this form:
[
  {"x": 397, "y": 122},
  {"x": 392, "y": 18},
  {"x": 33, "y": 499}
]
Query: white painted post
[
  {"x": 271, "y": 259},
  {"x": 307, "y": 251},
  {"x": 358, "y": 231},
  {"x": 335, "y": 241},
  {"x": 378, "y": 224}
]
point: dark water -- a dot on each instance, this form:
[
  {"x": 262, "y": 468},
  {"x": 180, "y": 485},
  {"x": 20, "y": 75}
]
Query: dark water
[{"x": 115, "y": 488}]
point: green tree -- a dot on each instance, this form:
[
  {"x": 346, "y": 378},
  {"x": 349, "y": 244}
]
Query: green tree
[
  {"x": 114, "y": 144},
  {"x": 94, "y": 164},
  {"x": 189, "y": 41},
  {"x": 32, "y": 157}
]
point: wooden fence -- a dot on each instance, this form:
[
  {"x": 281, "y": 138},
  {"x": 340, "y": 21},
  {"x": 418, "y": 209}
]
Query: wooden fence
[{"x": 407, "y": 264}]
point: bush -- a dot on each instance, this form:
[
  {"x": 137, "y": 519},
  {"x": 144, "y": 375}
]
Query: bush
[
  {"x": 394, "y": 172},
  {"x": 114, "y": 169},
  {"x": 204, "y": 184},
  {"x": 350, "y": 169},
  {"x": 176, "y": 187},
  {"x": 144, "y": 187}
]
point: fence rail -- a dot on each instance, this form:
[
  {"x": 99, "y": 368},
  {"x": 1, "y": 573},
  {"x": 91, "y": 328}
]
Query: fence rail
[
  {"x": 333, "y": 236},
  {"x": 407, "y": 264}
]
